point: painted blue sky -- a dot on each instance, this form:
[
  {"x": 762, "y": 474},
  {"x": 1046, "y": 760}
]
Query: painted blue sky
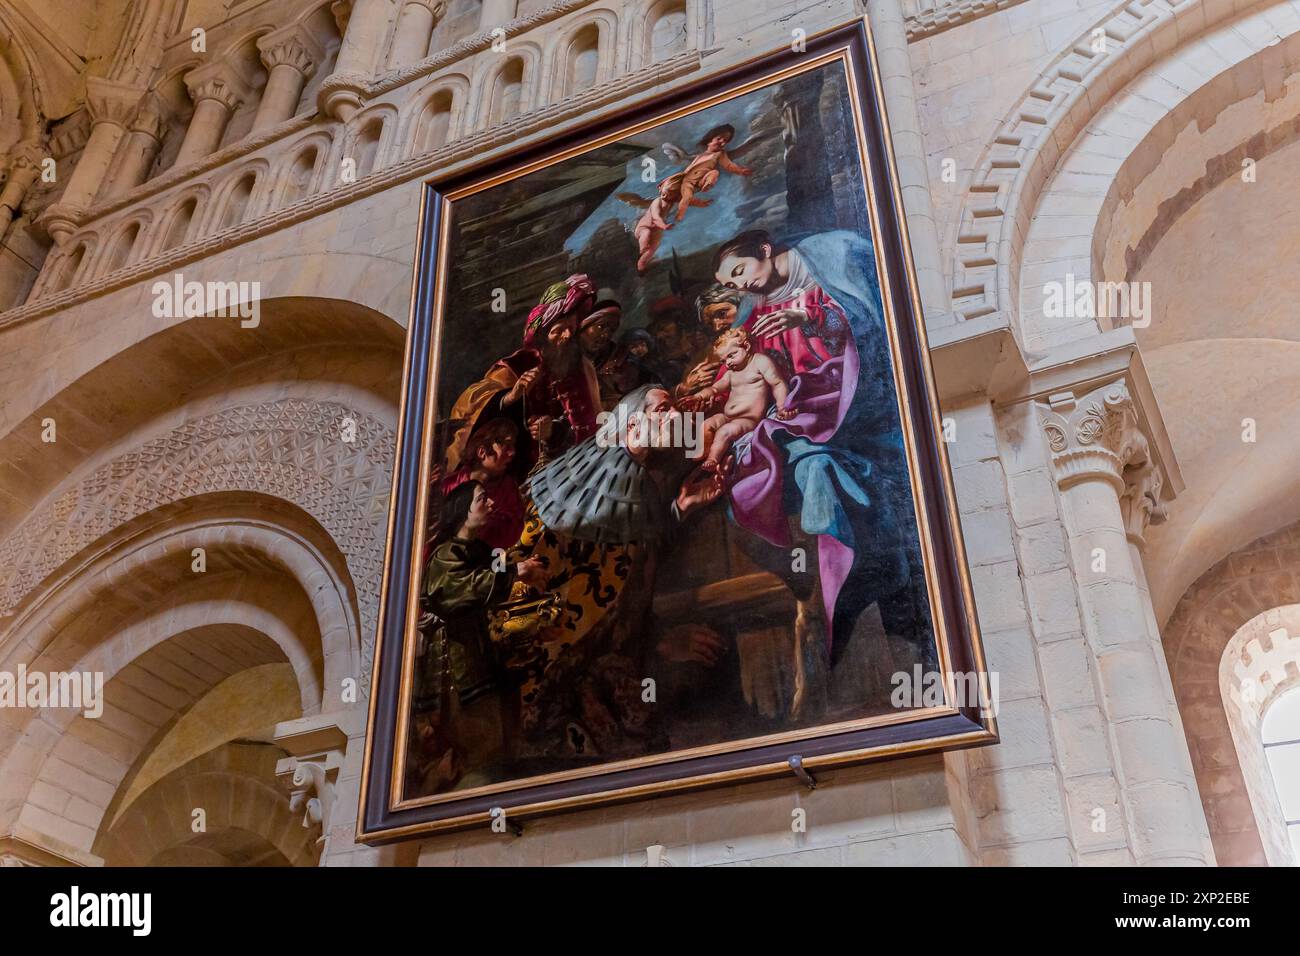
[{"x": 703, "y": 227}]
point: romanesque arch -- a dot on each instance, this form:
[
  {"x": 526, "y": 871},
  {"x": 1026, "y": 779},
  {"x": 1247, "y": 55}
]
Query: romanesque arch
[
  {"x": 246, "y": 820},
  {"x": 1209, "y": 673}
]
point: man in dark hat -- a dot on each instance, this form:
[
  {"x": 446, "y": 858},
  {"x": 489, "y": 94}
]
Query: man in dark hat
[{"x": 616, "y": 371}]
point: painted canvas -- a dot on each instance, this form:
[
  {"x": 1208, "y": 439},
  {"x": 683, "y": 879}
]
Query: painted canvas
[{"x": 671, "y": 506}]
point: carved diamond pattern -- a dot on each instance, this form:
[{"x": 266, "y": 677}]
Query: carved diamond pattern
[{"x": 290, "y": 449}]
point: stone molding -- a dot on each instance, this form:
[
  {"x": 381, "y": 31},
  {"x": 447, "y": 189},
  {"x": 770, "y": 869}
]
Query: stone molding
[
  {"x": 1098, "y": 435},
  {"x": 288, "y": 449},
  {"x": 1010, "y": 174},
  {"x": 922, "y": 23},
  {"x": 23, "y": 846}
]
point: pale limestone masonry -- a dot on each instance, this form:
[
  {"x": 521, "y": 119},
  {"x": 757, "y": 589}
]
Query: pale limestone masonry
[{"x": 1128, "y": 495}]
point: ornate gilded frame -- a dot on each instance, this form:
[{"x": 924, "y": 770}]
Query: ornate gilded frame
[{"x": 383, "y": 815}]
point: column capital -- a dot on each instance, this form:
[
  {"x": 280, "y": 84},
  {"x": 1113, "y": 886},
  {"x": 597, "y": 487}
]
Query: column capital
[
  {"x": 435, "y": 7},
  {"x": 111, "y": 102},
  {"x": 293, "y": 45},
  {"x": 219, "y": 81},
  {"x": 1100, "y": 435},
  {"x": 341, "y": 95},
  {"x": 150, "y": 116}
]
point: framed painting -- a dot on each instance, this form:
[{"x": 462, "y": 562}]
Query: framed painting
[{"x": 671, "y": 507}]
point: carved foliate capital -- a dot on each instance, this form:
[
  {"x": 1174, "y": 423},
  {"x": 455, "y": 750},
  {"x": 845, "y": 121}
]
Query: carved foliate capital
[
  {"x": 289, "y": 52},
  {"x": 110, "y": 102},
  {"x": 150, "y": 117},
  {"x": 293, "y": 45},
  {"x": 220, "y": 82},
  {"x": 435, "y": 7},
  {"x": 1099, "y": 437}
]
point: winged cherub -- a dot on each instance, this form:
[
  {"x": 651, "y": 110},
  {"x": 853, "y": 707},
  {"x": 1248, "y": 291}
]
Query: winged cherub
[
  {"x": 704, "y": 169},
  {"x": 649, "y": 230}
]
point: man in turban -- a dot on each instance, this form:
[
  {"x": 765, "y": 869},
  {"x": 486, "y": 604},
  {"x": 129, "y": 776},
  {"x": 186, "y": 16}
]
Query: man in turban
[{"x": 548, "y": 387}]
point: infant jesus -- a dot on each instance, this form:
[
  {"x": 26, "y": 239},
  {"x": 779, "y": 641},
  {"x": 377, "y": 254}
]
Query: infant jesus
[{"x": 751, "y": 383}]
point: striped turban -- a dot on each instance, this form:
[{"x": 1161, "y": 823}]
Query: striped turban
[{"x": 574, "y": 294}]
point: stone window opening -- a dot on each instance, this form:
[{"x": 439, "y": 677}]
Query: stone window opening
[
  {"x": 69, "y": 269},
  {"x": 507, "y": 92},
  {"x": 435, "y": 122},
  {"x": 1280, "y": 735},
  {"x": 239, "y": 203},
  {"x": 178, "y": 229},
  {"x": 1258, "y": 801},
  {"x": 299, "y": 178},
  {"x": 365, "y": 146},
  {"x": 668, "y": 34},
  {"x": 582, "y": 61},
  {"x": 119, "y": 254}
]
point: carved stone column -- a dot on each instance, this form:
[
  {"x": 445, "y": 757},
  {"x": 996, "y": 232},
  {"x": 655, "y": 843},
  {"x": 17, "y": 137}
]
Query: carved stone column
[
  {"x": 310, "y": 773},
  {"x": 24, "y": 168},
  {"x": 497, "y": 13},
  {"x": 1110, "y": 489},
  {"x": 110, "y": 106},
  {"x": 139, "y": 149},
  {"x": 414, "y": 30},
  {"x": 217, "y": 91},
  {"x": 290, "y": 57},
  {"x": 367, "y": 26}
]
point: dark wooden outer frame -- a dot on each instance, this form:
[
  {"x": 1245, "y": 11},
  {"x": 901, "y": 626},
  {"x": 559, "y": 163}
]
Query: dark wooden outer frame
[{"x": 944, "y": 728}]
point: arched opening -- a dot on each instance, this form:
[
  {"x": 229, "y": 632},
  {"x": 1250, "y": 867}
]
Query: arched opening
[
  {"x": 300, "y": 176},
  {"x": 120, "y": 253},
  {"x": 70, "y": 268},
  {"x": 321, "y": 23},
  {"x": 365, "y": 150},
  {"x": 507, "y": 92},
  {"x": 239, "y": 201},
  {"x": 230, "y": 795},
  {"x": 246, "y": 60},
  {"x": 583, "y": 60},
  {"x": 462, "y": 19},
  {"x": 187, "y": 661},
  {"x": 178, "y": 225},
  {"x": 668, "y": 35},
  {"x": 1280, "y": 735},
  {"x": 1233, "y": 646},
  {"x": 178, "y": 109},
  {"x": 434, "y": 129}
]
